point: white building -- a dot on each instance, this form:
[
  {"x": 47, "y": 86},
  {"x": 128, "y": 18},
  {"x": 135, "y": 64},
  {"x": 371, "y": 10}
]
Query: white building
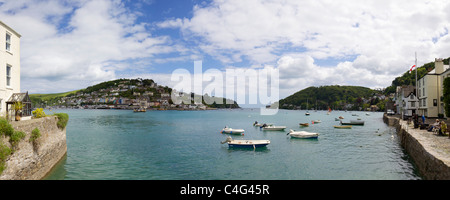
[
  {"x": 9, "y": 64},
  {"x": 430, "y": 91},
  {"x": 406, "y": 100}
]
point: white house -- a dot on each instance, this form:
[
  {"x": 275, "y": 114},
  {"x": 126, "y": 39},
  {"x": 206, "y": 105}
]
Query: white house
[
  {"x": 406, "y": 100},
  {"x": 9, "y": 64},
  {"x": 430, "y": 90}
]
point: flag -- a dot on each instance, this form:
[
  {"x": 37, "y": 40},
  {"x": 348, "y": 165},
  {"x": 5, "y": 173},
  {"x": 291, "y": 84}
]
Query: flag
[{"x": 412, "y": 68}]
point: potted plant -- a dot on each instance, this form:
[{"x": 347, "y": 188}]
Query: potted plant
[{"x": 18, "y": 106}]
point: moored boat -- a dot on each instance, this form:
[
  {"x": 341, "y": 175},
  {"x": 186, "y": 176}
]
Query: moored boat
[
  {"x": 246, "y": 143},
  {"x": 273, "y": 128},
  {"x": 232, "y": 131},
  {"x": 302, "y": 134},
  {"x": 304, "y": 124},
  {"x": 354, "y": 123},
  {"x": 343, "y": 127}
]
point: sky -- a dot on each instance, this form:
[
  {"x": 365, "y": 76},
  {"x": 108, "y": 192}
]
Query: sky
[{"x": 70, "y": 45}]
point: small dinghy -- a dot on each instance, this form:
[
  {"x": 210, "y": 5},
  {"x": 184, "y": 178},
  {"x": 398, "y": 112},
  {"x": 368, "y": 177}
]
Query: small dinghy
[
  {"x": 232, "y": 131},
  {"x": 272, "y": 128},
  {"x": 343, "y": 127},
  {"x": 304, "y": 124},
  {"x": 245, "y": 143},
  {"x": 259, "y": 125},
  {"x": 302, "y": 134},
  {"x": 354, "y": 123}
]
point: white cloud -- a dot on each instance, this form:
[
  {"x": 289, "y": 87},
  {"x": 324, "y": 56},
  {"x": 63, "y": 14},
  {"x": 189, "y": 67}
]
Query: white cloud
[
  {"x": 68, "y": 42},
  {"x": 381, "y": 35}
]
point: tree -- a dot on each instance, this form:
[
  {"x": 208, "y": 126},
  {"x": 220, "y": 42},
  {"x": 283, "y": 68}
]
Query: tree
[{"x": 447, "y": 96}]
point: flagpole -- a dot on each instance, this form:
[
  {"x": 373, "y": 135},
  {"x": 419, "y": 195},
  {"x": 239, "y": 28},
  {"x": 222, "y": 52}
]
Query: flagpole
[{"x": 417, "y": 93}]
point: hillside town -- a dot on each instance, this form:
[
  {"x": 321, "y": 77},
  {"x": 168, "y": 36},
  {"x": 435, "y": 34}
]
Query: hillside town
[{"x": 130, "y": 94}]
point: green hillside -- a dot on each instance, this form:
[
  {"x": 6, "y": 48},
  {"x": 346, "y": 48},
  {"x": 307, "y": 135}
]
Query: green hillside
[
  {"x": 115, "y": 89},
  {"x": 335, "y": 97}
]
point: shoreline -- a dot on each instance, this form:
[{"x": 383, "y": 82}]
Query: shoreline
[{"x": 430, "y": 153}]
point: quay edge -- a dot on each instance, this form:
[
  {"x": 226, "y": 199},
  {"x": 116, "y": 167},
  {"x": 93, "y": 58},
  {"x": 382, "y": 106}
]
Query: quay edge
[{"x": 430, "y": 153}]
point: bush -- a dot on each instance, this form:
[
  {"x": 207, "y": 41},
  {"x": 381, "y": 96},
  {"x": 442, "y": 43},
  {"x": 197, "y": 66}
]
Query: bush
[
  {"x": 39, "y": 113},
  {"x": 63, "y": 118},
  {"x": 35, "y": 134},
  {"x": 5, "y": 127},
  {"x": 4, "y": 153},
  {"x": 16, "y": 137}
]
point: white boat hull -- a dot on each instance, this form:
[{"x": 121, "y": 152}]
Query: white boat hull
[
  {"x": 303, "y": 135},
  {"x": 274, "y": 128},
  {"x": 246, "y": 143},
  {"x": 233, "y": 131}
]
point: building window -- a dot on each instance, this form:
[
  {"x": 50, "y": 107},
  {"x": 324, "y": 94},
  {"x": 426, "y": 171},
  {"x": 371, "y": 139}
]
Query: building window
[
  {"x": 434, "y": 102},
  {"x": 423, "y": 92},
  {"x": 8, "y": 75},
  {"x": 413, "y": 104},
  {"x": 424, "y": 102},
  {"x": 8, "y": 42}
]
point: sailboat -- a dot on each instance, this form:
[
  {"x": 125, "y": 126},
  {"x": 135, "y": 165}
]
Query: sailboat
[{"x": 307, "y": 105}]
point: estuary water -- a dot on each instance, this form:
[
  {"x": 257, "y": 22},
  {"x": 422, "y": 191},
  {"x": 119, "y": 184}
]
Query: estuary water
[{"x": 185, "y": 145}]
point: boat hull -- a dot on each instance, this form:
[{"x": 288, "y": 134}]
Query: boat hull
[
  {"x": 274, "y": 128},
  {"x": 248, "y": 143},
  {"x": 354, "y": 123},
  {"x": 233, "y": 131},
  {"x": 343, "y": 127},
  {"x": 304, "y": 135}
]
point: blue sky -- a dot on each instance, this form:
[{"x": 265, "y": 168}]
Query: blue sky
[{"x": 69, "y": 45}]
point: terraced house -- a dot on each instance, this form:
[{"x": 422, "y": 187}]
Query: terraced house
[{"x": 9, "y": 65}]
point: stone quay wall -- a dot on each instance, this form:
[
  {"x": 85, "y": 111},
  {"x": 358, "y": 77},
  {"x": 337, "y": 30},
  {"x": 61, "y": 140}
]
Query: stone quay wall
[
  {"x": 430, "y": 153},
  {"x": 34, "y": 161}
]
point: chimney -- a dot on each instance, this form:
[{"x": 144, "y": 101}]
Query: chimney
[{"x": 439, "y": 65}]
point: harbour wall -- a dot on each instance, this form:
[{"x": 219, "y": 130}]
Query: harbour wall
[
  {"x": 34, "y": 160},
  {"x": 430, "y": 153}
]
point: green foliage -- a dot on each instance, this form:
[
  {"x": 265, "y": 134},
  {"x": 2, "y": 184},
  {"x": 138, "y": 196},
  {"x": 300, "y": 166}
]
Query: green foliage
[
  {"x": 39, "y": 113},
  {"x": 5, "y": 127},
  {"x": 328, "y": 96},
  {"x": 447, "y": 96},
  {"x": 409, "y": 78},
  {"x": 16, "y": 137},
  {"x": 18, "y": 106},
  {"x": 35, "y": 134},
  {"x": 4, "y": 153},
  {"x": 63, "y": 118}
]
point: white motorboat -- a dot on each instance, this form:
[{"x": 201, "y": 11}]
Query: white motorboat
[
  {"x": 273, "y": 128},
  {"x": 302, "y": 134},
  {"x": 246, "y": 143},
  {"x": 232, "y": 131},
  {"x": 259, "y": 125},
  {"x": 316, "y": 121}
]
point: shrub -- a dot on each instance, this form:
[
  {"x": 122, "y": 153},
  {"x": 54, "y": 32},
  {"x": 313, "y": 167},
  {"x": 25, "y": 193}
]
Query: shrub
[
  {"x": 35, "y": 134},
  {"x": 63, "y": 118},
  {"x": 5, "y": 127},
  {"x": 16, "y": 137},
  {"x": 4, "y": 153},
  {"x": 39, "y": 113}
]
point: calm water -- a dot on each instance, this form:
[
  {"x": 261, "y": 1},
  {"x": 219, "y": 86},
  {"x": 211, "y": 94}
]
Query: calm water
[{"x": 180, "y": 145}]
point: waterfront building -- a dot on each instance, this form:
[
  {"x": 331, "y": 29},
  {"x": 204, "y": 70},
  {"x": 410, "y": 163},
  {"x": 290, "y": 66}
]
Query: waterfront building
[
  {"x": 430, "y": 90},
  {"x": 405, "y": 100},
  {"x": 9, "y": 64}
]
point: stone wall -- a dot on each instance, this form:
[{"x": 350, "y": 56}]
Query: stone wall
[
  {"x": 33, "y": 162},
  {"x": 430, "y": 153}
]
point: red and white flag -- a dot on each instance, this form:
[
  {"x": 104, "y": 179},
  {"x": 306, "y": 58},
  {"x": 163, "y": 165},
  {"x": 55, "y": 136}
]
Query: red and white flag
[{"x": 412, "y": 68}]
